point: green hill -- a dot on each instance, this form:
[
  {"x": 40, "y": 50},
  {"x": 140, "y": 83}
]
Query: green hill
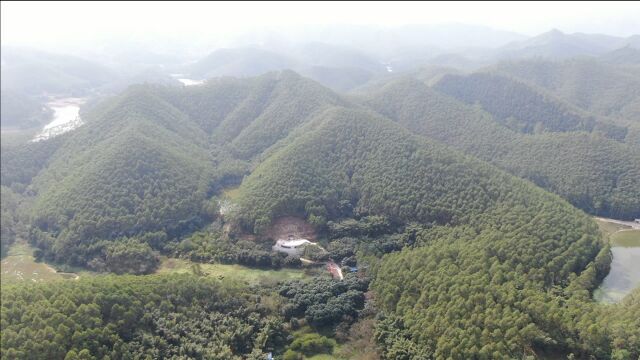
[
  {"x": 496, "y": 243},
  {"x": 596, "y": 86},
  {"x": 21, "y": 111},
  {"x": 521, "y": 107},
  {"x": 35, "y": 73},
  {"x": 146, "y": 162},
  {"x": 22, "y": 161},
  {"x": 241, "y": 62},
  {"x": 485, "y": 264},
  {"x": 137, "y": 166},
  {"x": 559, "y": 162}
]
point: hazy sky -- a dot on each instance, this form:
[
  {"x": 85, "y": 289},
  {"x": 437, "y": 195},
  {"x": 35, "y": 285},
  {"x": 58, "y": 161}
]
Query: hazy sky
[{"x": 49, "y": 24}]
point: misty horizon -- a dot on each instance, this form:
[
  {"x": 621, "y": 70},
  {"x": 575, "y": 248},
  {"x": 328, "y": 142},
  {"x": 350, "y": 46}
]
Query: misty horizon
[{"x": 198, "y": 28}]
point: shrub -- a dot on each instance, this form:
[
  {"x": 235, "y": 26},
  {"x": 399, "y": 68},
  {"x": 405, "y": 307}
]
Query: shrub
[{"x": 311, "y": 344}]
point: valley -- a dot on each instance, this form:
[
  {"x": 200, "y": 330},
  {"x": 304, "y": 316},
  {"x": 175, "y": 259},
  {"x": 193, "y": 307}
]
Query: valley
[{"x": 66, "y": 117}]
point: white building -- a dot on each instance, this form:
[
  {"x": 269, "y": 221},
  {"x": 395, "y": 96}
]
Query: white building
[{"x": 291, "y": 247}]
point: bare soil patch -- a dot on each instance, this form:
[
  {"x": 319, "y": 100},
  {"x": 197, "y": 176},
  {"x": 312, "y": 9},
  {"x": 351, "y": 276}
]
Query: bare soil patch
[{"x": 291, "y": 226}]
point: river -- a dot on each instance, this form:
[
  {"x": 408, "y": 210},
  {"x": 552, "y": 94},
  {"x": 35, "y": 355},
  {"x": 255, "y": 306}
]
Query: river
[
  {"x": 186, "y": 81},
  {"x": 66, "y": 117}
]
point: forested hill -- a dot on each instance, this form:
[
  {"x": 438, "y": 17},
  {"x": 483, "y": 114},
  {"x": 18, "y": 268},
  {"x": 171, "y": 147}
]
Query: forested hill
[
  {"x": 521, "y": 107},
  {"x": 496, "y": 243},
  {"x": 559, "y": 162},
  {"x": 249, "y": 115},
  {"x": 486, "y": 264},
  {"x": 239, "y": 62},
  {"x": 597, "y": 86},
  {"x": 357, "y": 156},
  {"x": 181, "y": 145},
  {"x": 148, "y": 160},
  {"x": 138, "y": 166}
]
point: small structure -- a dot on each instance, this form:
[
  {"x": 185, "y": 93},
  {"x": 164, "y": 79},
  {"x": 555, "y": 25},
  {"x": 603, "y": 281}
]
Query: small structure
[{"x": 292, "y": 247}]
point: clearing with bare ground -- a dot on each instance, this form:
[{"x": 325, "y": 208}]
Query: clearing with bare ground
[{"x": 291, "y": 227}]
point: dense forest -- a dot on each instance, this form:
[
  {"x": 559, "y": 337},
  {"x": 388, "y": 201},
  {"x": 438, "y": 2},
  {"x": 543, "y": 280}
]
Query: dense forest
[
  {"x": 355, "y": 158},
  {"x": 559, "y": 162},
  {"x": 521, "y": 108},
  {"x": 595, "y": 86},
  {"x": 110, "y": 317},
  {"x": 146, "y": 165}
]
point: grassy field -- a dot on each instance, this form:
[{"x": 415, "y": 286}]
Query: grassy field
[
  {"x": 626, "y": 238},
  {"x": 249, "y": 276},
  {"x": 609, "y": 228},
  {"x": 20, "y": 266},
  {"x": 231, "y": 193}
]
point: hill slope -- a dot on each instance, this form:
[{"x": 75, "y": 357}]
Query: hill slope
[
  {"x": 239, "y": 62},
  {"x": 521, "y": 107},
  {"x": 21, "y": 111},
  {"x": 146, "y": 162},
  {"x": 494, "y": 241},
  {"x": 587, "y": 83},
  {"x": 137, "y": 167},
  {"x": 555, "y": 44},
  {"x": 34, "y": 73},
  {"x": 559, "y": 162}
]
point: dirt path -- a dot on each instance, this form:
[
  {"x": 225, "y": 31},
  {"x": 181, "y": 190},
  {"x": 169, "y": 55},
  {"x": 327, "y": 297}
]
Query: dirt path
[{"x": 634, "y": 225}]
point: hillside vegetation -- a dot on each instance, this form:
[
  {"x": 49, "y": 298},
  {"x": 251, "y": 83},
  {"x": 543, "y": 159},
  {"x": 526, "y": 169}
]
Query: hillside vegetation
[
  {"x": 522, "y": 108},
  {"x": 351, "y": 159},
  {"x": 145, "y": 165},
  {"x": 456, "y": 257},
  {"x": 559, "y": 162},
  {"x": 137, "y": 317},
  {"x": 602, "y": 88}
]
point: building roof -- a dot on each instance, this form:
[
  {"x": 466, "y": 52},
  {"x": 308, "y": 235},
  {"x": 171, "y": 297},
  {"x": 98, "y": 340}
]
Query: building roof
[{"x": 293, "y": 243}]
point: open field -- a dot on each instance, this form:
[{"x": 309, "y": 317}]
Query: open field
[
  {"x": 249, "y": 276},
  {"x": 20, "y": 266},
  {"x": 609, "y": 228},
  {"x": 626, "y": 238}
]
